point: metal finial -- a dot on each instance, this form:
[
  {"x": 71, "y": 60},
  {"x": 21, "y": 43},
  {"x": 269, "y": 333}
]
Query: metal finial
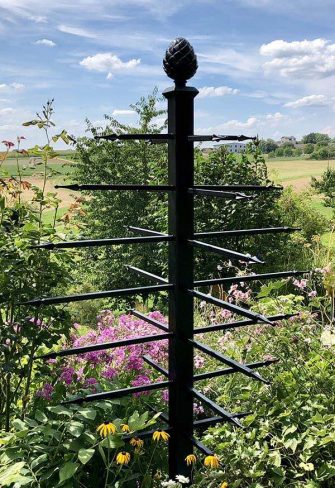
[{"x": 180, "y": 62}]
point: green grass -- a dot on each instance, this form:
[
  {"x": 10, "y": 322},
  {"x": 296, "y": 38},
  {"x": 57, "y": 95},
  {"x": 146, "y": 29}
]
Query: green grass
[{"x": 10, "y": 166}]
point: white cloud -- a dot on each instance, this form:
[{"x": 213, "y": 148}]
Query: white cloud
[
  {"x": 253, "y": 124},
  {"x": 76, "y": 31},
  {"x": 108, "y": 63},
  {"x": 46, "y": 42},
  {"x": 123, "y": 112},
  {"x": 309, "y": 101},
  {"x": 6, "y": 111},
  {"x": 39, "y": 19},
  {"x": 219, "y": 91},
  {"x": 300, "y": 59},
  {"x": 4, "y": 87}
]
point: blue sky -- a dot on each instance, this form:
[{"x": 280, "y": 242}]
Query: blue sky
[{"x": 265, "y": 66}]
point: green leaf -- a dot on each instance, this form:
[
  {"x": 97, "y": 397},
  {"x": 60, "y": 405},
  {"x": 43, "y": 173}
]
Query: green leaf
[
  {"x": 87, "y": 413},
  {"x": 307, "y": 466},
  {"x": 41, "y": 417},
  {"x": 67, "y": 471},
  {"x": 76, "y": 428},
  {"x": 39, "y": 460},
  {"x": 84, "y": 455},
  {"x": 59, "y": 410}
]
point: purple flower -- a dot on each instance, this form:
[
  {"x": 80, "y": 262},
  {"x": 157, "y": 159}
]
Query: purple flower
[
  {"x": 67, "y": 375},
  {"x": 141, "y": 380},
  {"x": 46, "y": 392}
]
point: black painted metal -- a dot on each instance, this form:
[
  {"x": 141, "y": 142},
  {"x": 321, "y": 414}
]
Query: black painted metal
[
  {"x": 137, "y": 137},
  {"x": 245, "y": 258},
  {"x": 246, "y": 278},
  {"x": 105, "y": 345},
  {"x": 150, "y": 232},
  {"x": 254, "y": 188},
  {"x": 180, "y": 64},
  {"x": 102, "y": 242},
  {"x": 242, "y": 368},
  {"x": 230, "y": 306},
  {"x": 221, "y": 194},
  {"x": 229, "y": 417},
  {"x": 150, "y": 320},
  {"x": 146, "y": 274},
  {"x": 98, "y": 294},
  {"x": 216, "y": 138},
  {"x": 108, "y": 395},
  {"x": 112, "y": 187},
  {"x": 228, "y": 371},
  {"x": 241, "y": 323},
  {"x": 181, "y": 175},
  {"x": 246, "y": 232}
]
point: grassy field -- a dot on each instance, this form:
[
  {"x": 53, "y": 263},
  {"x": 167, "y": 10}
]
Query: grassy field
[{"x": 296, "y": 172}]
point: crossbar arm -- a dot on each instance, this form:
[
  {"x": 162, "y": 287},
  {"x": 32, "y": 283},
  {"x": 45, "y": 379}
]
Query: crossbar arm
[
  {"x": 246, "y": 278},
  {"x": 228, "y": 371},
  {"x": 227, "y": 416},
  {"x": 246, "y": 232},
  {"x": 227, "y": 252},
  {"x": 103, "y": 242},
  {"x": 241, "y": 323},
  {"x": 149, "y": 320},
  {"x": 142, "y": 272}
]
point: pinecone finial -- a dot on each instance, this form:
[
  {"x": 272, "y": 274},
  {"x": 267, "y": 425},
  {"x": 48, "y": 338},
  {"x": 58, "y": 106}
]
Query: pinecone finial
[{"x": 180, "y": 62}]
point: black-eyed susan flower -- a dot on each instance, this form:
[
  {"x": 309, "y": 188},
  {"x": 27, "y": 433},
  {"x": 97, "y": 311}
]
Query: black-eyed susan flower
[
  {"x": 224, "y": 485},
  {"x": 123, "y": 457},
  {"x": 190, "y": 459},
  {"x": 160, "y": 435},
  {"x": 212, "y": 462},
  {"x": 125, "y": 428},
  {"x": 136, "y": 442},
  {"x": 106, "y": 429}
]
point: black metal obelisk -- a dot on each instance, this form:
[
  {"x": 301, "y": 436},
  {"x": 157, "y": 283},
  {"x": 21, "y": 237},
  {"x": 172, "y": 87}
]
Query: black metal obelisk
[{"x": 180, "y": 64}]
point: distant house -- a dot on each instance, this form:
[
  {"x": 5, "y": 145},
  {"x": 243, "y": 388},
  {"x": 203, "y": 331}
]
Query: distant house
[
  {"x": 234, "y": 147},
  {"x": 288, "y": 140}
]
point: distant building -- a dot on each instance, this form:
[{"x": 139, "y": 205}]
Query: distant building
[
  {"x": 234, "y": 147},
  {"x": 288, "y": 140}
]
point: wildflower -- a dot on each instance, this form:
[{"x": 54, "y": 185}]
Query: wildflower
[
  {"x": 211, "y": 462},
  {"x": 169, "y": 484},
  {"x": 125, "y": 428},
  {"x": 312, "y": 294},
  {"x": 182, "y": 479},
  {"x": 46, "y": 392},
  {"x": 106, "y": 429},
  {"x": 190, "y": 459},
  {"x": 198, "y": 361},
  {"x": 136, "y": 442},
  {"x": 160, "y": 435},
  {"x": 123, "y": 457},
  {"x": 224, "y": 485},
  {"x": 8, "y": 144}
]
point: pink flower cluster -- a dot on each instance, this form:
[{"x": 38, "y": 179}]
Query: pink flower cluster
[
  {"x": 46, "y": 392},
  {"x": 238, "y": 295},
  {"x": 111, "y": 363}
]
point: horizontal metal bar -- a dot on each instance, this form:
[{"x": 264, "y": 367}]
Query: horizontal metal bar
[
  {"x": 247, "y": 232},
  {"x": 216, "y": 408},
  {"x": 221, "y": 194},
  {"x": 230, "y": 306},
  {"x": 240, "y": 187},
  {"x": 247, "y": 258},
  {"x": 216, "y": 138},
  {"x": 103, "y": 187},
  {"x": 215, "y": 420},
  {"x": 162, "y": 415},
  {"x": 241, "y": 323},
  {"x": 230, "y": 362},
  {"x": 105, "y": 345},
  {"x": 119, "y": 393},
  {"x": 150, "y": 232},
  {"x": 156, "y": 366},
  {"x": 199, "y": 445},
  {"x": 103, "y": 242},
  {"x": 142, "y": 272},
  {"x": 149, "y": 320},
  {"x": 138, "y": 137},
  {"x": 254, "y": 277},
  {"x": 228, "y": 371},
  {"x": 98, "y": 295}
]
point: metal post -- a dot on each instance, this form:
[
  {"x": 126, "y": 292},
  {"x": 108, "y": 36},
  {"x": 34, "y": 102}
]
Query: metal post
[{"x": 180, "y": 167}]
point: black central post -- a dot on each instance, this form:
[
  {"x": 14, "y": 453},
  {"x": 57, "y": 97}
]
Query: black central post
[{"x": 181, "y": 170}]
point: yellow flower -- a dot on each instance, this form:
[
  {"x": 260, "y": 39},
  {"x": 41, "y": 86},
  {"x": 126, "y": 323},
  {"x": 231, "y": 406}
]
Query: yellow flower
[
  {"x": 106, "y": 429},
  {"x": 160, "y": 435},
  {"x": 190, "y": 459},
  {"x": 125, "y": 428},
  {"x": 211, "y": 462},
  {"x": 224, "y": 485},
  {"x": 123, "y": 457},
  {"x": 136, "y": 442}
]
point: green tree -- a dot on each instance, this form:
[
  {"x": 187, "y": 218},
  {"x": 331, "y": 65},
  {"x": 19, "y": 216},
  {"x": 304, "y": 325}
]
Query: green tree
[
  {"x": 315, "y": 137},
  {"x": 267, "y": 146}
]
